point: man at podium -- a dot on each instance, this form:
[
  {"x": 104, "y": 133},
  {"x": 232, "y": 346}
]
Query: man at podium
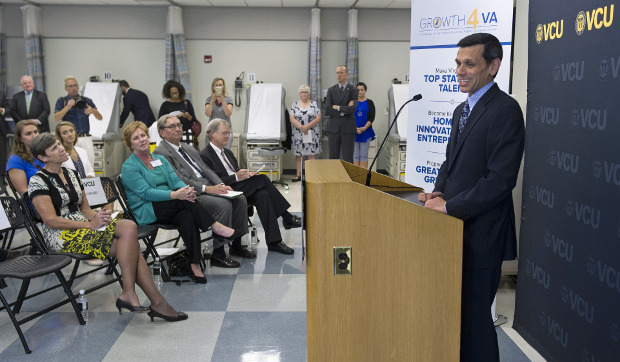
[{"x": 475, "y": 184}]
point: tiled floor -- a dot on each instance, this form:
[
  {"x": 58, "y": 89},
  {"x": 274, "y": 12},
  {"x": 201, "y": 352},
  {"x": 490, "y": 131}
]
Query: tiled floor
[{"x": 254, "y": 313}]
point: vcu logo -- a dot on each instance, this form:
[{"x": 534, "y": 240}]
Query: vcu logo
[
  {"x": 549, "y": 31},
  {"x": 609, "y": 67},
  {"x": 601, "y": 17}
]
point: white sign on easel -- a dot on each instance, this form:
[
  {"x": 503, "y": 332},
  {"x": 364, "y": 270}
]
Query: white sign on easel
[{"x": 94, "y": 191}]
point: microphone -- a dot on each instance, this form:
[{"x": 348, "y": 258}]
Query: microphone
[{"x": 415, "y": 98}]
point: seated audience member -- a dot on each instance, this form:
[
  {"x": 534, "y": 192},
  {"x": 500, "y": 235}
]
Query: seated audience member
[
  {"x": 257, "y": 189},
  {"x": 71, "y": 226},
  {"x": 156, "y": 194},
  {"x": 21, "y": 166},
  {"x": 31, "y": 104},
  {"x": 190, "y": 168},
  {"x": 78, "y": 160}
]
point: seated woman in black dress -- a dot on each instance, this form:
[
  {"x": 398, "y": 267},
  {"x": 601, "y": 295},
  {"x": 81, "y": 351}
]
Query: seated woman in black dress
[
  {"x": 71, "y": 226},
  {"x": 156, "y": 194}
]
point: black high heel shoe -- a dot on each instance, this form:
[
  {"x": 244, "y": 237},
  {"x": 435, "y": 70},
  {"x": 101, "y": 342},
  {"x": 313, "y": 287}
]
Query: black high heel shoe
[
  {"x": 120, "y": 304},
  {"x": 179, "y": 317},
  {"x": 199, "y": 280}
]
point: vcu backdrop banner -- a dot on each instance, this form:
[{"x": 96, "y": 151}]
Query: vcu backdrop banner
[
  {"x": 436, "y": 28},
  {"x": 568, "y": 293}
]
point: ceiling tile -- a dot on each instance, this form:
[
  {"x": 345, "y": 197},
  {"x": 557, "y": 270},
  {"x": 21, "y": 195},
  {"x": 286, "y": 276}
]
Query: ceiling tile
[
  {"x": 336, "y": 3},
  {"x": 400, "y": 4},
  {"x": 228, "y": 3},
  {"x": 193, "y": 3},
  {"x": 264, "y": 3}
]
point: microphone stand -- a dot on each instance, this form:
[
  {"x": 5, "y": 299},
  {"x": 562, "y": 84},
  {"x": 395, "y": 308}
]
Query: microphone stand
[{"x": 417, "y": 97}]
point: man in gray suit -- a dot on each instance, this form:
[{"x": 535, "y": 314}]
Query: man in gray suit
[
  {"x": 31, "y": 104},
  {"x": 190, "y": 168},
  {"x": 340, "y": 106}
]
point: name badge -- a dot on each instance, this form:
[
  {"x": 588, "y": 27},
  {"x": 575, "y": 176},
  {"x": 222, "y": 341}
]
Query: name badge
[{"x": 156, "y": 163}]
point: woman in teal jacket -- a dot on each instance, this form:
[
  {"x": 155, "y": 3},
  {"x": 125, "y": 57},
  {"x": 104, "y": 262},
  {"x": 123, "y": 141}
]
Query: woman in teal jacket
[{"x": 156, "y": 194}]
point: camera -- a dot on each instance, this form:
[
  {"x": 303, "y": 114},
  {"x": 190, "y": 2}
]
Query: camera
[{"x": 80, "y": 102}]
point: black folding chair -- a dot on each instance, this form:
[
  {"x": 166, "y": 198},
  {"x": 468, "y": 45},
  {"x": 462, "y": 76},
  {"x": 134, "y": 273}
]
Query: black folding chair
[{"x": 27, "y": 267}]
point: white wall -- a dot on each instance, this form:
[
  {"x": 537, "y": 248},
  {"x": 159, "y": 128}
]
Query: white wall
[{"x": 130, "y": 42}]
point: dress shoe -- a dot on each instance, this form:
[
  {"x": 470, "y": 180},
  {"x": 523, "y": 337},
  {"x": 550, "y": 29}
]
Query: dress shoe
[
  {"x": 280, "y": 247},
  {"x": 225, "y": 262},
  {"x": 179, "y": 317},
  {"x": 120, "y": 304},
  {"x": 241, "y": 251},
  {"x": 199, "y": 280},
  {"x": 296, "y": 179},
  {"x": 295, "y": 222}
]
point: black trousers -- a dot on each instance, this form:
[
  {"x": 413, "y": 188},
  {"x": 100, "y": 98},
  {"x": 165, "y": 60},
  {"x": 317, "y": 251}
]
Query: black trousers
[
  {"x": 478, "y": 336},
  {"x": 190, "y": 218},
  {"x": 341, "y": 141},
  {"x": 269, "y": 202}
]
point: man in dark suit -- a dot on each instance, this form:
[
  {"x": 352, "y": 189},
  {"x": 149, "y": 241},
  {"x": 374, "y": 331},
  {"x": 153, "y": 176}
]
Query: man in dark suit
[
  {"x": 258, "y": 189},
  {"x": 340, "y": 106},
  {"x": 31, "y": 104},
  {"x": 4, "y": 130},
  {"x": 475, "y": 184},
  {"x": 136, "y": 102},
  {"x": 187, "y": 164}
]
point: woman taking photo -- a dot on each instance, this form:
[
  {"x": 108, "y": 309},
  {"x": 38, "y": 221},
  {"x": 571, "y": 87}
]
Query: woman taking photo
[
  {"x": 156, "y": 194},
  {"x": 219, "y": 105},
  {"x": 21, "y": 166},
  {"x": 176, "y": 104},
  {"x": 305, "y": 115},
  {"x": 364, "y": 116},
  {"x": 71, "y": 226}
]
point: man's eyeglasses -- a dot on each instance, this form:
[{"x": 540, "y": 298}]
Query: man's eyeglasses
[
  {"x": 173, "y": 126},
  {"x": 225, "y": 134}
]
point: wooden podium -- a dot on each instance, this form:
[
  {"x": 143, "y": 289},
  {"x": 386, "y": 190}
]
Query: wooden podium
[{"x": 402, "y": 300}]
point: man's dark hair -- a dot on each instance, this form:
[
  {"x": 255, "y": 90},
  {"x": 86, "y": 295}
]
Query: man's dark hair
[
  {"x": 123, "y": 83},
  {"x": 492, "y": 46}
]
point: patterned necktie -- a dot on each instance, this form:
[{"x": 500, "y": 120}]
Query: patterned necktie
[
  {"x": 227, "y": 162},
  {"x": 464, "y": 115},
  {"x": 28, "y": 98},
  {"x": 191, "y": 163}
]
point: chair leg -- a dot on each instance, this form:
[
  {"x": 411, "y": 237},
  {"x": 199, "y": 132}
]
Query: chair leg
[
  {"x": 65, "y": 286},
  {"x": 21, "y": 296},
  {"x": 15, "y": 324},
  {"x": 73, "y": 273}
]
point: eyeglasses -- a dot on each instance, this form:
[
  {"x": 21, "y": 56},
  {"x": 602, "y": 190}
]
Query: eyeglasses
[
  {"x": 225, "y": 134},
  {"x": 173, "y": 126},
  {"x": 72, "y": 85}
]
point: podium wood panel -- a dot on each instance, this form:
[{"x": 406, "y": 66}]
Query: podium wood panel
[{"x": 402, "y": 300}]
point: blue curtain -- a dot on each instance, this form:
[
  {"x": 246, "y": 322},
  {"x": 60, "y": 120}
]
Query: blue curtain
[
  {"x": 314, "y": 57},
  {"x": 34, "y": 44},
  {"x": 353, "y": 48},
  {"x": 176, "y": 53},
  {"x": 2, "y": 51}
]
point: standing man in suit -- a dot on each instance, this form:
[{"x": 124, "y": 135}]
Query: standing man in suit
[
  {"x": 136, "y": 102},
  {"x": 4, "y": 130},
  {"x": 340, "y": 106},
  {"x": 475, "y": 184},
  {"x": 31, "y": 104},
  {"x": 69, "y": 109},
  {"x": 187, "y": 164},
  {"x": 258, "y": 189}
]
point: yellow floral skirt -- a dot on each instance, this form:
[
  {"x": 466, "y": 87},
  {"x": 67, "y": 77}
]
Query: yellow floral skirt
[{"x": 91, "y": 242}]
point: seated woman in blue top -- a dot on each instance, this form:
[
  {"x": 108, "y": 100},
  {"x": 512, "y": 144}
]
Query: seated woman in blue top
[
  {"x": 21, "y": 166},
  {"x": 156, "y": 194}
]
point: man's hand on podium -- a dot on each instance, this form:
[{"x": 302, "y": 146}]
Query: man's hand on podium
[{"x": 433, "y": 201}]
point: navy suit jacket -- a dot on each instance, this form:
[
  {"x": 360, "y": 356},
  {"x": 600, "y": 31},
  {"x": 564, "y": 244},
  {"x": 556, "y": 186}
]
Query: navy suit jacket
[
  {"x": 478, "y": 175},
  {"x": 337, "y": 123},
  {"x": 39, "y": 108},
  {"x": 138, "y": 103}
]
